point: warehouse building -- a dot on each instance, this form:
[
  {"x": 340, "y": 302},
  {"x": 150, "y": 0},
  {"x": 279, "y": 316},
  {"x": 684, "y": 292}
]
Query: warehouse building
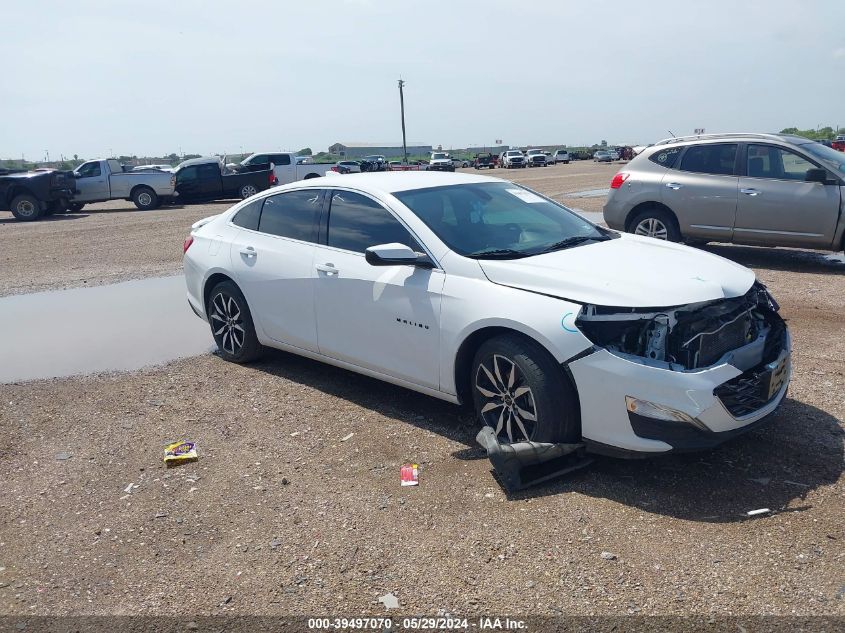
[{"x": 359, "y": 150}]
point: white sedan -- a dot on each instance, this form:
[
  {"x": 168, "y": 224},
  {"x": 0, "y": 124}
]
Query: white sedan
[{"x": 474, "y": 289}]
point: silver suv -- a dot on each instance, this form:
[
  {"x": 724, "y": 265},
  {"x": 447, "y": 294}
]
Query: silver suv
[{"x": 763, "y": 189}]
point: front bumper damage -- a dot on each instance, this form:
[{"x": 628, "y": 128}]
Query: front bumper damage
[{"x": 671, "y": 395}]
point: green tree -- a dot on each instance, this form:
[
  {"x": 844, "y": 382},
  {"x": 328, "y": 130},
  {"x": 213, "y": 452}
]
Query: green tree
[{"x": 305, "y": 151}]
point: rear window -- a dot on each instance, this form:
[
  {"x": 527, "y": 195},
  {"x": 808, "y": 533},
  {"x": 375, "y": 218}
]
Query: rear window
[
  {"x": 247, "y": 217},
  {"x": 710, "y": 159},
  {"x": 282, "y": 159},
  {"x": 293, "y": 214},
  {"x": 666, "y": 157}
]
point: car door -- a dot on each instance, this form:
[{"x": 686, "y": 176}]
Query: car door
[
  {"x": 383, "y": 318},
  {"x": 284, "y": 171},
  {"x": 91, "y": 182},
  {"x": 776, "y": 204},
  {"x": 702, "y": 191},
  {"x": 272, "y": 259}
]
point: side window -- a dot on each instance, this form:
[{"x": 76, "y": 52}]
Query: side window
[
  {"x": 710, "y": 159},
  {"x": 293, "y": 214},
  {"x": 186, "y": 174},
  {"x": 88, "y": 170},
  {"x": 248, "y": 216},
  {"x": 208, "y": 172},
  {"x": 767, "y": 161},
  {"x": 259, "y": 160},
  {"x": 357, "y": 222},
  {"x": 280, "y": 159},
  {"x": 666, "y": 157}
]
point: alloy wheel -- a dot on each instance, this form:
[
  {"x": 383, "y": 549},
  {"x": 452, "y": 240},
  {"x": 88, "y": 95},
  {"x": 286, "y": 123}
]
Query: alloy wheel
[
  {"x": 248, "y": 190},
  {"x": 509, "y": 408},
  {"x": 652, "y": 227},
  {"x": 145, "y": 199},
  {"x": 227, "y": 323}
]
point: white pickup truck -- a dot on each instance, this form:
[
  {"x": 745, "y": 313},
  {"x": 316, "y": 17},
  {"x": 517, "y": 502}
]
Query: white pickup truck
[
  {"x": 105, "y": 179},
  {"x": 285, "y": 166}
]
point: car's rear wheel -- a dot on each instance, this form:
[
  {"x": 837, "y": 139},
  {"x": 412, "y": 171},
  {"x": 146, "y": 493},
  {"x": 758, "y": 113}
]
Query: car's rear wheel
[
  {"x": 247, "y": 191},
  {"x": 26, "y": 207},
  {"x": 231, "y": 324},
  {"x": 145, "y": 198},
  {"x": 75, "y": 207},
  {"x": 656, "y": 223},
  {"x": 522, "y": 393}
]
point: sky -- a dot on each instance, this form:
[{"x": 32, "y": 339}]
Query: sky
[{"x": 147, "y": 78}]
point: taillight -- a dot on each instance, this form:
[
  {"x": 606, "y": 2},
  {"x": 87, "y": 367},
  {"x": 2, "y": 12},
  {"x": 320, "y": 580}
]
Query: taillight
[
  {"x": 334, "y": 167},
  {"x": 188, "y": 241},
  {"x": 618, "y": 179},
  {"x": 272, "y": 178},
  {"x": 173, "y": 181}
]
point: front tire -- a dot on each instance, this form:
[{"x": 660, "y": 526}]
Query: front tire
[
  {"x": 145, "y": 198},
  {"x": 26, "y": 208},
  {"x": 520, "y": 391},
  {"x": 231, "y": 324}
]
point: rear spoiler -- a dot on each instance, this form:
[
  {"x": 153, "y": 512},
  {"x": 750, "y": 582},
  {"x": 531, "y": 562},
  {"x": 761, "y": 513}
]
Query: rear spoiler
[{"x": 203, "y": 222}]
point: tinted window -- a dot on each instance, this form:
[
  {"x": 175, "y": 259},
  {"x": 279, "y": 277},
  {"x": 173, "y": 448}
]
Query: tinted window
[
  {"x": 281, "y": 159},
  {"x": 710, "y": 159},
  {"x": 259, "y": 160},
  {"x": 357, "y": 222},
  {"x": 248, "y": 216},
  {"x": 208, "y": 172},
  {"x": 666, "y": 157},
  {"x": 767, "y": 161},
  {"x": 186, "y": 174},
  {"x": 293, "y": 214},
  {"x": 88, "y": 170}
]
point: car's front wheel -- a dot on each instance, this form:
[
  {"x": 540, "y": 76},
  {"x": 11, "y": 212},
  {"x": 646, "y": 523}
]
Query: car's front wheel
[
  {"x": 522, "y": 393},
  {"x": 231, "y": 324}
]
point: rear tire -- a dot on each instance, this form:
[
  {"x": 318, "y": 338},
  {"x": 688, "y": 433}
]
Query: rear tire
[
  {"x": 657, "y": 223},
  {"x": 26, "y": 208},
  {"x": 231, "y": 324},
  {"x": 75, "y": 207},
  {"x": 514, "y": 379},
  {"x": 145, "y": 198},
  {"x": 247, "y": 191}
]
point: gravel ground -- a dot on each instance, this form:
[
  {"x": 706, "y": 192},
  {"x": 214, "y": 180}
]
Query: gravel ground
[{"x": 281, "y": 515}]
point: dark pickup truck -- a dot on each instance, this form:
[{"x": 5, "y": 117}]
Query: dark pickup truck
[
  {"x": 484, "y": 159},
  {"x": 203, "y": 179},
  {"x": 30, "y": 195}
]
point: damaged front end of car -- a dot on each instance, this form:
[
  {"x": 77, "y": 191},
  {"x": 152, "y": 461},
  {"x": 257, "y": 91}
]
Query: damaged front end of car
[{"x": 742, "y": 331}]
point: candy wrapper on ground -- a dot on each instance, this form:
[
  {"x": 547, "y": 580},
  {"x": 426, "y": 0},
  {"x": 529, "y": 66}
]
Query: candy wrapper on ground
[
  {"x": 179, "y": 453},
  {"x": 409, "y": 475}
]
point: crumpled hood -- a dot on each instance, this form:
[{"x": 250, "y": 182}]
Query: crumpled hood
[{"x": 631, "y": 271}]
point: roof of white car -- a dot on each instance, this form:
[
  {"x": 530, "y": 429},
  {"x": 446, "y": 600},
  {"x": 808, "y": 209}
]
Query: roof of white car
[{"x": 392, "y": 181}]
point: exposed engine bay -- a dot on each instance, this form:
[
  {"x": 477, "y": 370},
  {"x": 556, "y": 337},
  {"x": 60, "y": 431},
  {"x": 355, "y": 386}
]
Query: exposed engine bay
[{"x": 692, "y": 336}]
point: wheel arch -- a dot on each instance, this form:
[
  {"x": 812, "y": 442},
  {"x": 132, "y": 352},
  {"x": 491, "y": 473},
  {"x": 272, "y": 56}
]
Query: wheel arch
[
  {"x": 209, "y": 284},
  {"x": 140, "y": 186},
  {"x": 17, "y": 190},
  {"x": 643, "y": 206},
  {"x": 311, "y": 175},
  {"x": 469, "y": 346}
]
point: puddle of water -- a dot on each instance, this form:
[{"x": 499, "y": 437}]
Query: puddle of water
[
  {"x": 589, "y": 193},
  {"x": 121, "y": 326}
]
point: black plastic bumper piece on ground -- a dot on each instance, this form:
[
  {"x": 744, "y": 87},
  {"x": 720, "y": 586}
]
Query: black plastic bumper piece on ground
[{"x": 525, "y": 464}]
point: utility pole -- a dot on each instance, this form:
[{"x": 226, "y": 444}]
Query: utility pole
[{"x": 402, "y": 107}]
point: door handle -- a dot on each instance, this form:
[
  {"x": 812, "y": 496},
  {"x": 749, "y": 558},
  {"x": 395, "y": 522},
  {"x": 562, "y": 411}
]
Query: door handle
[
  {"x": 750, "y": 192},
  {"x": 249, "y": 251},
  {"x": 674, "y": 185},
  {"x": 327, "y": 268}
]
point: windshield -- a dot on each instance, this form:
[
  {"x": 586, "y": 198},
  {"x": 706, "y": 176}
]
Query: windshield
[
  {"x": 434, "y": 156},
  {"x": 500, "y": 220},
  {"x": 826, "y": 154}
]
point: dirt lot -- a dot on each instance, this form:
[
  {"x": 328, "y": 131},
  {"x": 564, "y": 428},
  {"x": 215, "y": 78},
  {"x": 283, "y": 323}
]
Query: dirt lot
[{"x": 280, "y": 515}]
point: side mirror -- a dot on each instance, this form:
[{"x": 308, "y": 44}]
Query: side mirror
[
  {"x": 395, "y": 254},
  {"x": 817, "y": 175}
]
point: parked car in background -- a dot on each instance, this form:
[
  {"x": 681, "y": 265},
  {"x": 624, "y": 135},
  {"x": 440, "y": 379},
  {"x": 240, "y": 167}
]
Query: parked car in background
[
  {"x": 561, "y": 156},
  {"x": 602, "y": 156},
  {"x": 460, "y": 162},
  {"x": 838, "y": 143},
  {"x": 440, "y": 161},
  {"x": 285, "y": 166},
  {"x": 106, "y": 179},
  {"x": 761, "y": 189},
  {"x": 535, "y": 158},
  {"x": 202, "y": 179},
  {"x": 512, "y": 159},
  {"x": 347, "y": 167},
  {"x": 31, "y": 195},
  {"x": 479, "y": 305},
  {"x": 550, "y": 160},
  {"x": 377, "y": 161},
  {"x": 484, "y": 160},
  {"x": 614, "y": 155}
]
